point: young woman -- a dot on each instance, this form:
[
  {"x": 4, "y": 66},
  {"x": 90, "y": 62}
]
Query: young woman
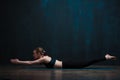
[{"x": 40, "y": 57}]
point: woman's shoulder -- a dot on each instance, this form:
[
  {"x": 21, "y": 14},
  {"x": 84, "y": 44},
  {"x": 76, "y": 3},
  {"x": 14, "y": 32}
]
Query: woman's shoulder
[{"x": 46, "y": 57}]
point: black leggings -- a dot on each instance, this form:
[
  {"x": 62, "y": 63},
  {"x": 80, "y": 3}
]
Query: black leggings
[{"x": 81, "y": 64}]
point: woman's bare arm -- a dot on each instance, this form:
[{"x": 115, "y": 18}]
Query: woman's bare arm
[{"x": 17, "y": 61}]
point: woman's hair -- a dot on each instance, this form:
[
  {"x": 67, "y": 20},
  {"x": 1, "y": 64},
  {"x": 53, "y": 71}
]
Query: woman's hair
[{"x": 40, "y": 50}]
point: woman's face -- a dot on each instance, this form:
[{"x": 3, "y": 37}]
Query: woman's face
[{"x": 36, "y": 55}]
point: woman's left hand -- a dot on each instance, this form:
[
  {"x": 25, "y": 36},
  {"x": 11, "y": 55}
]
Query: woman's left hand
[{"x": 15, "y": 61}]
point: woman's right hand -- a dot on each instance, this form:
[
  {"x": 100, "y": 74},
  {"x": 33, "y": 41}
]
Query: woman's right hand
[{"x": 15, "y": 61}]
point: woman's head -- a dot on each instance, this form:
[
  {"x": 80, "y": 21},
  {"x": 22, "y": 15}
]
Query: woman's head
[{"x": 38, "y": 52}]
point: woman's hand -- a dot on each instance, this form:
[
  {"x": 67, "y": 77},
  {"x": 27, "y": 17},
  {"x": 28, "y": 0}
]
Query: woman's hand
[{"x": 15, "y": 61}]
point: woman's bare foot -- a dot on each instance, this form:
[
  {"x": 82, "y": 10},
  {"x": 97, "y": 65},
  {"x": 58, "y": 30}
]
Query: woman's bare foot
[{"x": 110, "y": 57}]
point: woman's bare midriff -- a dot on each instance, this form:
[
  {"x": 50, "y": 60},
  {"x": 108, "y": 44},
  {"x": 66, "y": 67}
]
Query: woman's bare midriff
[{"x": 58, "y": 64}]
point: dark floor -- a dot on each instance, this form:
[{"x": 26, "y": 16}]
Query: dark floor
[{"x": 38, "y": 73}]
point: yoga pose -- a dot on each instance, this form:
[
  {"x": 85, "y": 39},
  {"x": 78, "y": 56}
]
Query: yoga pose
[{"x": 41, "y": 58}]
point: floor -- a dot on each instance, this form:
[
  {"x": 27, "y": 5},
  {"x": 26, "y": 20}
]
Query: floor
[{"x": 40, "y": 73}]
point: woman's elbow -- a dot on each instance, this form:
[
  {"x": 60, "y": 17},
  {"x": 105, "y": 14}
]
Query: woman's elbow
[{"x": 30, "y": 63}]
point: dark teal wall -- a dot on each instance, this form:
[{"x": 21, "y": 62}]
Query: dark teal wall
[{"x": 77, "y": 29}]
